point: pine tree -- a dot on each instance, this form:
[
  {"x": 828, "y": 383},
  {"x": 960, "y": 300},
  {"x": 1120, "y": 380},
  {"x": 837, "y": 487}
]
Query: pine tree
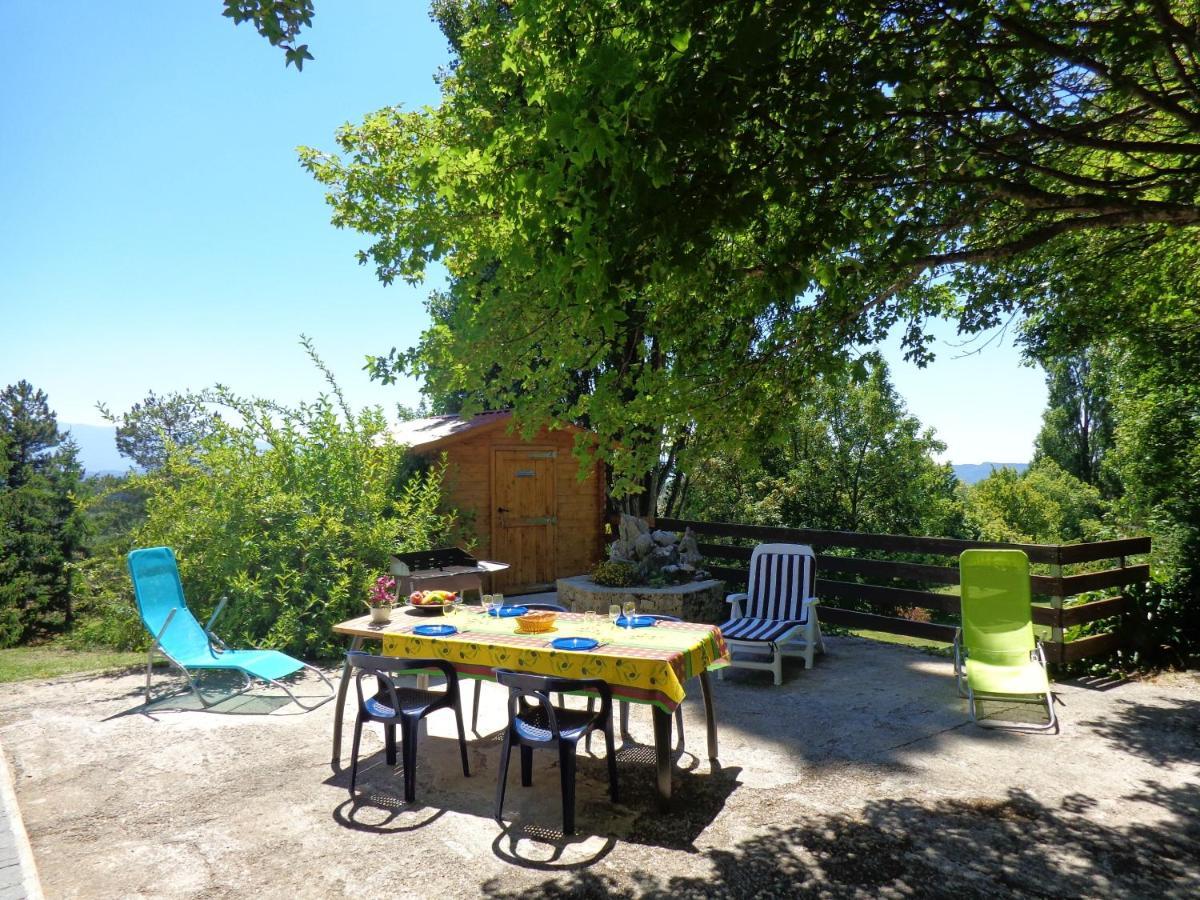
[{"x": 40, "y": 527}]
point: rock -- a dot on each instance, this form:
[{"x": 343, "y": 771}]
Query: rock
[
  {"x": 689, "y": 549},
  {"x": 664, "y": 538},
  {"x": 619, "y": 551},
  {"x": 642, "y": 545}
]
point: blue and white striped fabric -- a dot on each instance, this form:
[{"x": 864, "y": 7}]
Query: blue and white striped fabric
[{"x": 781, "y": 578}]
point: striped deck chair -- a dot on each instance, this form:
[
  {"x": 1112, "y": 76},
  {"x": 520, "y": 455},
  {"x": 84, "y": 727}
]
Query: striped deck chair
[{"x": 777, "y": 614}]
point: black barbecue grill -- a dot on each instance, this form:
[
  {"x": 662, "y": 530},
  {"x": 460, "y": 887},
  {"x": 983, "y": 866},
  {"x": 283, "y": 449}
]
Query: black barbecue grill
[{"x": 447, "y": 569}]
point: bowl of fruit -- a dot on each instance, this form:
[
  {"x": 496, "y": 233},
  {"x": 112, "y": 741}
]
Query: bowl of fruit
[{"x": 432, "y": 602}]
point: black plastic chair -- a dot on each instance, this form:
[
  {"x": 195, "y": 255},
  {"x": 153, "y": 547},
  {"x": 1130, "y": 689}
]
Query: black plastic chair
[
  {"x": 403, "y": 706},
  {"x": 625, "y": 704},
  {"x": 552, "y": 607},
  {"x": 540, "y": 725}
]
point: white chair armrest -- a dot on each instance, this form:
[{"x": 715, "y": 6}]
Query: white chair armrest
[
  {"x": 736, "y": 600},
  {"x": 811, "y": 601}
]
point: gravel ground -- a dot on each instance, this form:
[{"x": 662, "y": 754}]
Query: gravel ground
[{"x": 859, "y": 778}]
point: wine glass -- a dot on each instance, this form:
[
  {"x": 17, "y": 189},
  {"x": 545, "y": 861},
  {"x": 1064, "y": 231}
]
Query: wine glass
[
  {"x": 497, "y": 602},
  {"x": 630, "y": 609},
  {"x": 614, "y": 613}
]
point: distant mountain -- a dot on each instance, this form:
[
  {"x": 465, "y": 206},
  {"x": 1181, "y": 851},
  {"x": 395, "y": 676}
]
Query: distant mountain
[
  {"x": 969, "y": 473},
  {"x": 97, "y": 448}
]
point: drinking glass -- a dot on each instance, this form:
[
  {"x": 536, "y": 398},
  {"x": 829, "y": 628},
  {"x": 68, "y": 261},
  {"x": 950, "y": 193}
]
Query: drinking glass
[
  {"x": 614, "y": 613},
  {"x": 589, "y": 622},
  {"x": 497, "y": 601},
  {"x": 489, "y": 603},
  {"x": 630, "y": 609}
]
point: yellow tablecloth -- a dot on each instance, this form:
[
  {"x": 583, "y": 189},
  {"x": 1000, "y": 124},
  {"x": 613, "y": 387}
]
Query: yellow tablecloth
[{"x": 643, "y": 665}]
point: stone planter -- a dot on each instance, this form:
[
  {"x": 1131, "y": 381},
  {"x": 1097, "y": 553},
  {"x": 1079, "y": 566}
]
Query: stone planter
[{"x": 696, "y": 601}]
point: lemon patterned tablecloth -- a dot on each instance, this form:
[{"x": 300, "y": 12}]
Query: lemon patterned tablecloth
[{"x": 643, "y": 665}]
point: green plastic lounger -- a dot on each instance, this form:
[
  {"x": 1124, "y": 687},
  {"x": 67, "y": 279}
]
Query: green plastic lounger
[
  {"x": 995, "y": 653},
  {"x": 187, "y": 646}
]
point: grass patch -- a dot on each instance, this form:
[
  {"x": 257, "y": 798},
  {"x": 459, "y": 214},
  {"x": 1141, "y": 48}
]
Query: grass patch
[
  {"x": 25, "y": 663},
  {"x": 937, "y": 647}
]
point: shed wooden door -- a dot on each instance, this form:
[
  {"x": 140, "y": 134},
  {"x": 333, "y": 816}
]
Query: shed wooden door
[{"x": 524, "y": 516}]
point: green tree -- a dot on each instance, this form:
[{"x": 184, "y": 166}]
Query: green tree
[
  {"x": 1077, "y": 426},
  {"x": 703, "y": 206},
  {"x": 851, "y": 458},
  {"x": 40, "y": 527},
  {"x": 1043, "y": 504},
  {"x": 151, "y": 427}
]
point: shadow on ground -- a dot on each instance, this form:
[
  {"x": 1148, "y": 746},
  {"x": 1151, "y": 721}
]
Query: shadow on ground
[
  {"x": 1164, "y": 734},
  {"x": 950, "y": 848},
  {"x": 532, "y": 817}
]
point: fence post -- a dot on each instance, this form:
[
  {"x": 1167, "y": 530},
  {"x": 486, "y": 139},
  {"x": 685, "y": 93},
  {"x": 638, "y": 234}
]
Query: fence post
[{"x": 1056, "y": 599}]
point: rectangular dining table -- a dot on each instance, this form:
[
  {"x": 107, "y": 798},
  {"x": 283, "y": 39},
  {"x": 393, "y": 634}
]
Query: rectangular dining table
[{"x": 650, "y": 665}]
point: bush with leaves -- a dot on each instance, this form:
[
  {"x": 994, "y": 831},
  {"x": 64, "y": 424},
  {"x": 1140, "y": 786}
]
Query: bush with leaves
[{"x": 290, "y": 513}]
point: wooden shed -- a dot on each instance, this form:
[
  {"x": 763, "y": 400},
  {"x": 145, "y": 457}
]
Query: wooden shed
[{"x": 529, "y": 507}]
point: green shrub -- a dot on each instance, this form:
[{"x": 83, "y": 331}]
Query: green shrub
[
  {"x": 611, "y": 573},
  {"x": 290, "y": 513}
]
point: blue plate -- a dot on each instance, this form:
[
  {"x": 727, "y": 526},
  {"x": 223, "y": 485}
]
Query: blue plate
[
  {"x": 638, "y": 621},
  {"x": 435, "y": 630},
  {"x": 574, "y": 643},
  {"x": 506, "y": 612}
]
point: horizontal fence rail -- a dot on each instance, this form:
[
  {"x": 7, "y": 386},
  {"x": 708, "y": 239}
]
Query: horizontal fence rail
[{"x": 834, "y": 570}]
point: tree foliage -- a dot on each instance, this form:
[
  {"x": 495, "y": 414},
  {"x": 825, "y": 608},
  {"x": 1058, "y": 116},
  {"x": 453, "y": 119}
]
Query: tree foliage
[
  {"x": 40, "y": 527},
  {"x": 151, "y": 427},
  {"x": 1043, "y": 504},
  {"x": 279, "y": 21},
  {"x": 291, "y": 513},
  {"x": 1077, "y": 426},
  {"x": 851, "y": 458},
  {"x": 699, "y": 208}
]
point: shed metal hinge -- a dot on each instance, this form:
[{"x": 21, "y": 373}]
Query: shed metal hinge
[
  {"x": 541, "y": 520},
  {"x": 543, "y": 454}
]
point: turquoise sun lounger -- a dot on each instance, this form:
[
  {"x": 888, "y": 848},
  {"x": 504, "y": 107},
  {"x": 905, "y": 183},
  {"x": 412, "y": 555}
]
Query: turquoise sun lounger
[{"x": 189, "y": 647}]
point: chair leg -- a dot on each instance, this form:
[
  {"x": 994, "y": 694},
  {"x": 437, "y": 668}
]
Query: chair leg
[
  {"x": 358, "y": 723},
  {"x": 409, "y": 736},
  {"x": 777, "y": 667},
  {"x": 389, "y": 742},
  {"x": 611, "y": 756},
  {"x": 587, "y": 741},
  {"x": 526, "y": 766},
  {"x": 462, "y": 737},
  {"x": 475, "y": 707},
  {"x": 810, "y": 644},
  {"x": 566, "y": 768},
  {"x": 505, "y": 752}
]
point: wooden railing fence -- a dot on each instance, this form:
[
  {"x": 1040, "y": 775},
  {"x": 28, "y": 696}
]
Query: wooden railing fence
[{"x": 1054, "y": 590}]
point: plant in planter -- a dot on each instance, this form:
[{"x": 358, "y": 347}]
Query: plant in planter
[{"x": 381, "y": 598}]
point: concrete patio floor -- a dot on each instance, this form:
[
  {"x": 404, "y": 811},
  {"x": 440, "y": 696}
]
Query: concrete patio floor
[{"x": 859, "y": 778}]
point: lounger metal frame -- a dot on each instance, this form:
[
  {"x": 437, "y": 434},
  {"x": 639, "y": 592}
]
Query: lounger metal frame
[
  {"x": 1038, "y": 654},
  {"x": 218, "y": 646}
]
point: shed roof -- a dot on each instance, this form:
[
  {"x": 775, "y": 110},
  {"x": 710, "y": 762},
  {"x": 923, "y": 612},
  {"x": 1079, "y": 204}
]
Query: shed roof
[{"x": 436, "y": 431}]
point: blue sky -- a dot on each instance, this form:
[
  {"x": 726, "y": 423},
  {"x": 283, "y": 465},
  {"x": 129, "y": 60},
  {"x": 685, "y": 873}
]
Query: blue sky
[{"x": 157, "y": 232}]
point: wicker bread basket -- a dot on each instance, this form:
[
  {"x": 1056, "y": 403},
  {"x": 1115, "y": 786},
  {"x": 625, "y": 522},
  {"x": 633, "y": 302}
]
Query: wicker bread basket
[{"x": 536, "y": 621}]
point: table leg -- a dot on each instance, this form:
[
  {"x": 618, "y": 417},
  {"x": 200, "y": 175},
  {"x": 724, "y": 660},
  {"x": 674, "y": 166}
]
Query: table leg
[
  {"x": 339, "y": 705},
  {"x": 710, "y": 717},
  {"x": 662, "y": 755}
]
